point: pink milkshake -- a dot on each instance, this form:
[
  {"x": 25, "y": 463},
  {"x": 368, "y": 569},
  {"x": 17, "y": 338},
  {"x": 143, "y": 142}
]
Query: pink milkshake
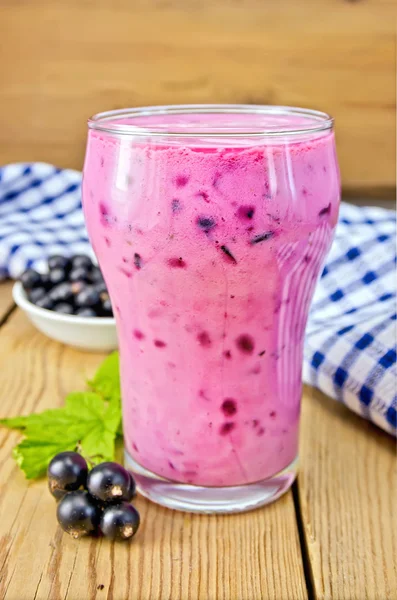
[{"x": 211, "y": 226}]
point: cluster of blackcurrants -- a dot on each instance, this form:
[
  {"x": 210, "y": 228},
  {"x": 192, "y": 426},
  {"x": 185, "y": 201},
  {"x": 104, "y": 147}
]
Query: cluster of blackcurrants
[
  {"x": 93, "y": 502},
  {"x": 71, "y": 286}
]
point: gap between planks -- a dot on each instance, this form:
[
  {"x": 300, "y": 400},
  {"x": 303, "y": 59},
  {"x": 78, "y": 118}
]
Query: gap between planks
[{"x": 7, "y": 305}]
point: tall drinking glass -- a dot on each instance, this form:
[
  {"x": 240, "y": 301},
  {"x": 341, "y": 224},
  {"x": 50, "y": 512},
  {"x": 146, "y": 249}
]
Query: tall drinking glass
[{"x": 211, "y": 225}]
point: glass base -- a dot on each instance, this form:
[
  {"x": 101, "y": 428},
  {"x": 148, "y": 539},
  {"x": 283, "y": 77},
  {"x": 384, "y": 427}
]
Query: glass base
[{"x": 210, "y": 500}]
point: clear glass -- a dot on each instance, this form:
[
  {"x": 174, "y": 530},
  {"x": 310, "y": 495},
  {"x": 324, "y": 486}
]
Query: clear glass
[{"x": 211, "y": 225}]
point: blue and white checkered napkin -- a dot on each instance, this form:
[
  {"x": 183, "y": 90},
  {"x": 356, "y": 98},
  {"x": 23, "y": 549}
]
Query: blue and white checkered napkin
[
  {"x": 350, "y": 351},
  {"x": 350, "y": 348},
  {"x": 40, "y": 215}
]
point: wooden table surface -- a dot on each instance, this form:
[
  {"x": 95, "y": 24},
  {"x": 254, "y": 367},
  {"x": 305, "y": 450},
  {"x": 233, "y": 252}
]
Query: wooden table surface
[{"x": 333, "y": 536}]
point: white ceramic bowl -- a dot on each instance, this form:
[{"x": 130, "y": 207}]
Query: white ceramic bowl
[{"x": 97, "y": 334}]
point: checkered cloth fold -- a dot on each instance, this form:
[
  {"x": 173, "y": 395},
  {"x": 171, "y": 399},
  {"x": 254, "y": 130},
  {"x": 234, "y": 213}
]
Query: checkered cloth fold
[
  {"x": 40, "y": 215},
  {"x": 350, "y": 349}
]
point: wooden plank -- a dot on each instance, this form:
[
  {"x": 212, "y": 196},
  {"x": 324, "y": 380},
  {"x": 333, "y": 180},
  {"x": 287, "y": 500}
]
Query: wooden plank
[
  {"x": 6, "y": 302},
  {"x": 347, "y": 489},
  {"x": 66, "y": 59},
  {"x": 175, "y": 556}
]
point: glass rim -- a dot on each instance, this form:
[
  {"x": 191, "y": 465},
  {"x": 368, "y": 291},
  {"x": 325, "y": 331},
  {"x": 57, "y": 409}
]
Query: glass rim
[{"x": 102, "y": 121}]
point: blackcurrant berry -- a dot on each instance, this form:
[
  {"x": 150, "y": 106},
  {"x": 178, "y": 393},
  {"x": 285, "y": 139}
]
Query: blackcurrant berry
[
  {"x": 96, "y": 275},
  {"x": 106, "y": 308},
  {"x": 58, "y": 262},
  {"x": 30, "y": 279},
  {"x": 79, "y": 274},
  {"x": 62, "y": 292},
  {"x": 37, "y": 293},
  {"x": 45, "y": 302},
  {"x": 66, "y": 472},
  {"x": 45, "y": 281},
  {"x": 87, "y": 297},
  {"x": 100, "y": 287},
  {"x": 81, "y": 261},
  {"x": 85, "y": 312},
  {"x": 78, "y": 514},
  {"x": 120, "y": 522},
  {"x": 63, "y": 308},
  {"x": 77, "y": 286},
  {"x": 57, "y": 275},
  {"x": 110, "y": 482}
]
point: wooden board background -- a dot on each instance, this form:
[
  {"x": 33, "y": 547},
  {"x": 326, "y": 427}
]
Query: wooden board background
[{"x": 62, "y": 60}]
